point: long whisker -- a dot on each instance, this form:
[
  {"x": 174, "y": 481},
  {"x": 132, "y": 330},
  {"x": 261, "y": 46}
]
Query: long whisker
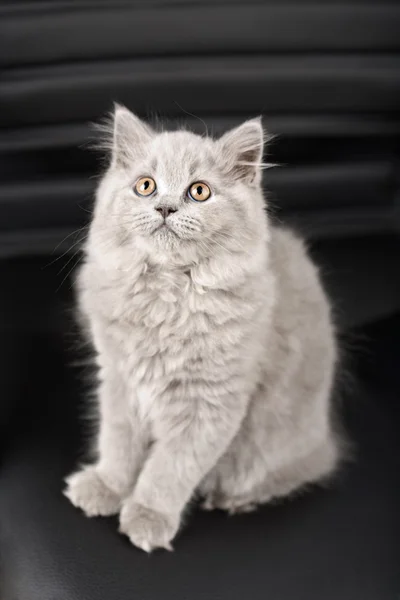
[
  {"x": 237, "y": 243},
  {"x": 67, "y": 275},
  {"x": 68, "y": 261},
  {"x": 68, "y": 249},
  {"x": 233, "y": 236},
  {"x": 68, "y": 236}
]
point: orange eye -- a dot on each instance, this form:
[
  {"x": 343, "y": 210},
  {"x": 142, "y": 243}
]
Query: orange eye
[
  {"x": 145, "y": 186},
  {"x": 199, "y": 191}
]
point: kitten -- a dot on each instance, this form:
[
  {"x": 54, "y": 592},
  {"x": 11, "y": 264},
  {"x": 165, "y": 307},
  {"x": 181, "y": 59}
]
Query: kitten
[{"x": 215, "y": 345}]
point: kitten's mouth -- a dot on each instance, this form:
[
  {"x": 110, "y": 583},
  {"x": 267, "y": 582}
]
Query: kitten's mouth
[
  {"x": 164, "y": 226},
  {"x": 165, "y": 229}
]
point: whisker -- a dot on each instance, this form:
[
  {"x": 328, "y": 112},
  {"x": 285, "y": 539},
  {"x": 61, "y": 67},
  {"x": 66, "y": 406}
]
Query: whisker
[
  {"x": 68, "y": 249},
  {"x": 90, "y": 212},
  {"x": 236, "y": 241},
  {"x": 69, "y": 235},
  {"x": 67, "y": 275},
  {"x": 68, "y": 261}
]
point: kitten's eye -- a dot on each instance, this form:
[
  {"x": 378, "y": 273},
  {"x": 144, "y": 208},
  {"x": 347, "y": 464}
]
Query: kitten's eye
[
  {"x": 145, "y": 186},
  {"x": 199, "y": 192}
]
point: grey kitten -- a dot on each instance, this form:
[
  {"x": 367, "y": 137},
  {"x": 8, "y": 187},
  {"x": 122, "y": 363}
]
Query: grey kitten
[{"x": 214, "y": 338}]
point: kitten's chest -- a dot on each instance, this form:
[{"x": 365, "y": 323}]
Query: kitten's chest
[
  {"x": 164, "y": 327},
  {"x": 160, "y": 312},
  {"x": 157, "y": 299}
]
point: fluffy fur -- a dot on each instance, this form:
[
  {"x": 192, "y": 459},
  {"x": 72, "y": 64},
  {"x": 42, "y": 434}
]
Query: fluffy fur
[{"x": 215, "y": 346}]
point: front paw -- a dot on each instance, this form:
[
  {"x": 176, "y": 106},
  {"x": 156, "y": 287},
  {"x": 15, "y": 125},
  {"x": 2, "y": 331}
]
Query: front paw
[
  {"x": 146, "y": 528},
  {"x": 87, "y": 491}
]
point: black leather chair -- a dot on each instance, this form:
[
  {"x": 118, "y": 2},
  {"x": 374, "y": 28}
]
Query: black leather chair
[{"x": 326, "y": 77}]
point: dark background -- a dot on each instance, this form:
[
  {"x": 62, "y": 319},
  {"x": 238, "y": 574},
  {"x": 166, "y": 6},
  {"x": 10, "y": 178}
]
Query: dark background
[{"x": 326, "y": 78}]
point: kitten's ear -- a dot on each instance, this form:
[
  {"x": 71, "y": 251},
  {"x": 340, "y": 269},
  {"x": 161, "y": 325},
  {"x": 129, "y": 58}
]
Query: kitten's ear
[
  {"x": 242, "y": 150},
  {"x": 130, "y": 134}
]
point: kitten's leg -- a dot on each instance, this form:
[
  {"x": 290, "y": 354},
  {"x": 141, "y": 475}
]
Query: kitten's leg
[
  {"x": 235, "y": 494},
  {"x": 269, "y": 459},
  {"x": 150, "y": 517},
  {"x": 99, "y": 488}
]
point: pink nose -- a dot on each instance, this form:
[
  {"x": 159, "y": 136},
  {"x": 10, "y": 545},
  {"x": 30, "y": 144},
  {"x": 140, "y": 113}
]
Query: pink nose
[{"x": 165, "y": 211}]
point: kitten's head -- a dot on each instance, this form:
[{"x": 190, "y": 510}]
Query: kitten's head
[{"x": 179, "y": 197}]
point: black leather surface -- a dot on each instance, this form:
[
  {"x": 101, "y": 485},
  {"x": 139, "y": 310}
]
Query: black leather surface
[
  {"x": 335, "y": 543},
  {"x": 48, "y": 32},
  {"x": 70, "y": 92}
]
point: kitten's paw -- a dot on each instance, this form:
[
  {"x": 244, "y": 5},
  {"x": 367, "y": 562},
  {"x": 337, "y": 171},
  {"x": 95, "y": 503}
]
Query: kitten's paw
[
  {"x": 87, "y": 491},
  {"x": 146, "y": 528},
  {"x": 231, "y": 505}
]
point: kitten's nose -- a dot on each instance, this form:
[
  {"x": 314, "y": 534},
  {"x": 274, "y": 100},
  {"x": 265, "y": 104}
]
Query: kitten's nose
[{"x": 165, "y": 211}]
